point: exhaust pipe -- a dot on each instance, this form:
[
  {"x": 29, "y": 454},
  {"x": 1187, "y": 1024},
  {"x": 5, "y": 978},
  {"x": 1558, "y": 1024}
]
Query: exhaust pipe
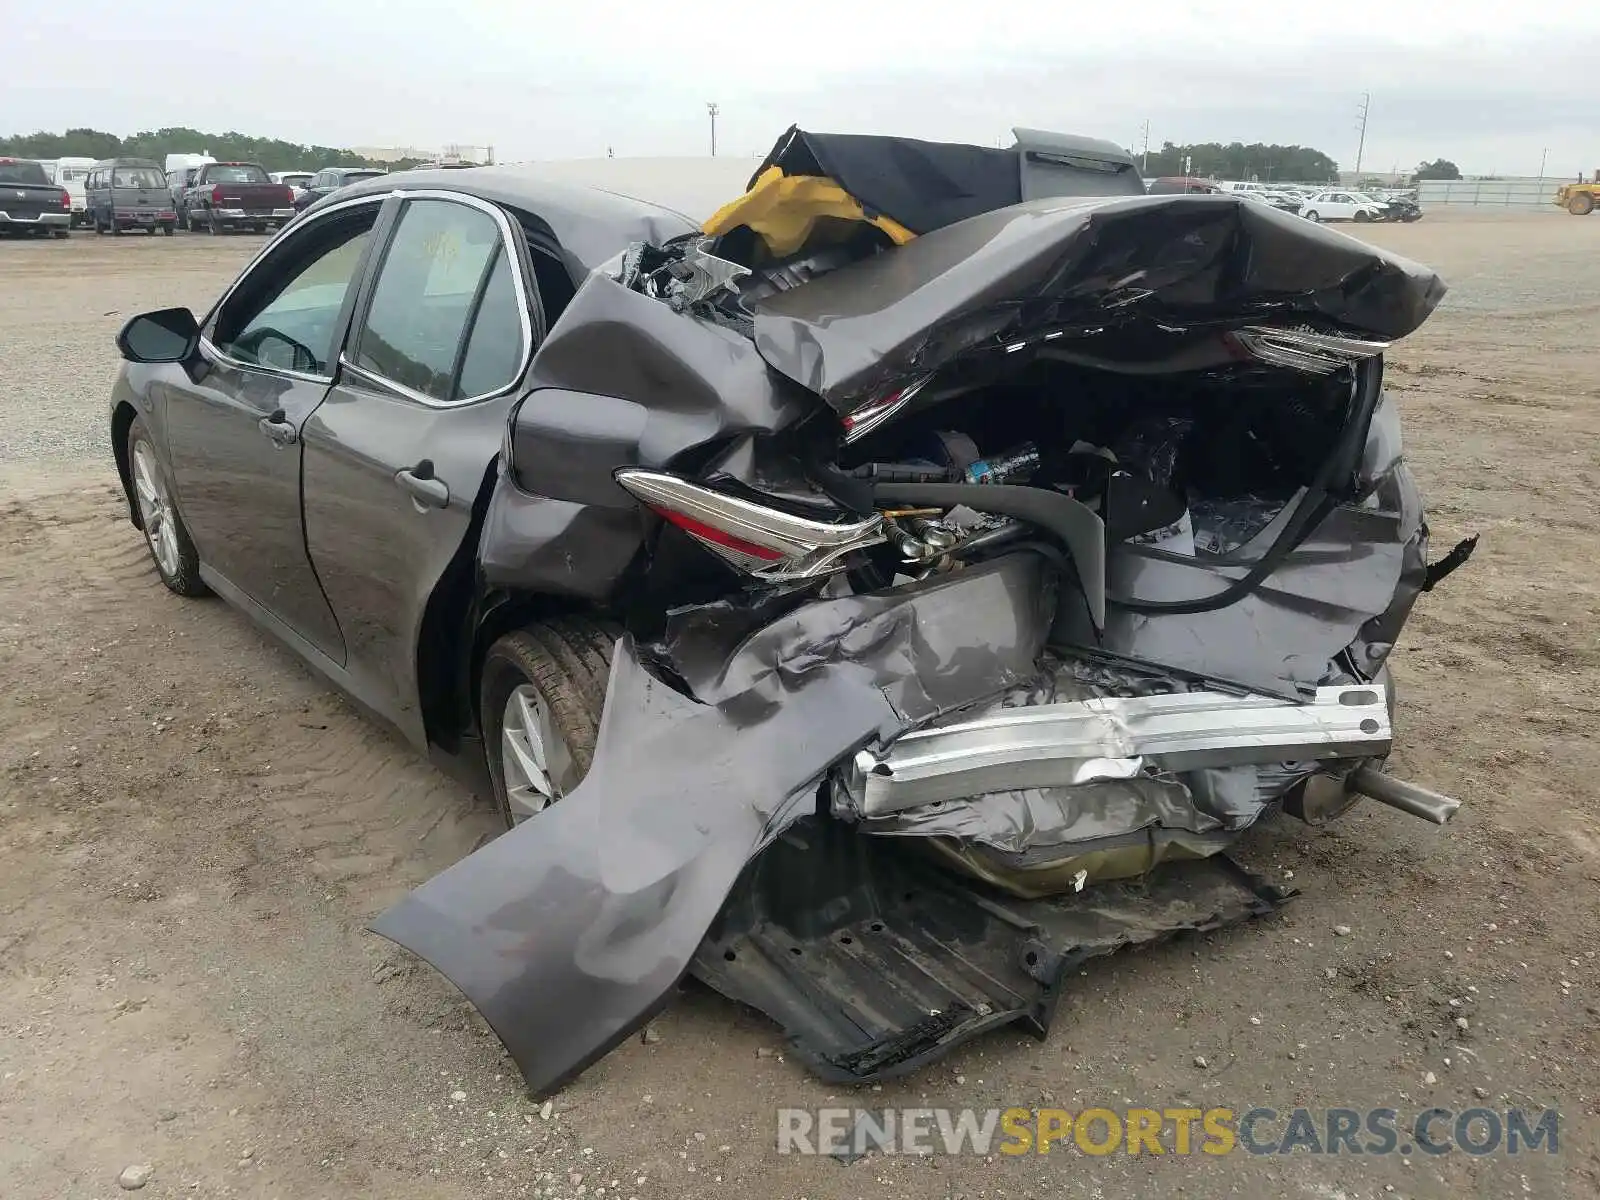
[{"x": 1407, "y": 797}]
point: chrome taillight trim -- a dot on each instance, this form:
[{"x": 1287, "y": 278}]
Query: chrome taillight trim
[
  {"x": 1304, "y": 350},
  {"x": 809, "y": 548}
]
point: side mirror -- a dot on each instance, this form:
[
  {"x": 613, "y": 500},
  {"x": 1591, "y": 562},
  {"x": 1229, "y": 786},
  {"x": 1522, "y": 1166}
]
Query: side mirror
[{"x": 169, "y": 335}]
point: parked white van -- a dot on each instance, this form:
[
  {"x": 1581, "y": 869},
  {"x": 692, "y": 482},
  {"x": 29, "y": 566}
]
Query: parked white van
[{"x": 70, "y": 173}]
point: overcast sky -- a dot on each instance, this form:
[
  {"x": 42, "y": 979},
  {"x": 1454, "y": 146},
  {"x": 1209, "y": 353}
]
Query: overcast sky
[{"x": 1489, "y": 85}]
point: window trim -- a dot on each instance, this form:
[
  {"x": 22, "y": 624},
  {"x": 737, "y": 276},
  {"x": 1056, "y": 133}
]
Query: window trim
[
  {"x": 508, "y": 246},
  {"x": 210, "y": 348}
]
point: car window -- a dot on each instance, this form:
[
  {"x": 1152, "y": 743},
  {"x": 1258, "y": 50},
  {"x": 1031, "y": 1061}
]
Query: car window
[
  {"x": 137, "y": 177},
  {"x": 432, "y": 277},
  {"x": 286, "y": 312},
  {"x": 18, "y": 171},
  {"x": 493, "y": 357},
  {"x": 242, "y": 173}
]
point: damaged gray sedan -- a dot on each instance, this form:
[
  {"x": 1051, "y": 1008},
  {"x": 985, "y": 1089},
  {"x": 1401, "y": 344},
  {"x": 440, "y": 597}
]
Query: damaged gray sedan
[{"x": 875, "y": 601}]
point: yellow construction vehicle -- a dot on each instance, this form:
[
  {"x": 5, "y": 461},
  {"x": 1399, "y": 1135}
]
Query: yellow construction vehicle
[{"x": 1581, "y": 198}]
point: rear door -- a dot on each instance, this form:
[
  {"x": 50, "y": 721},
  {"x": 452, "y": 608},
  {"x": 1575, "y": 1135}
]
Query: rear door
[
  {"x": 396, "y": 455},
  {"x": 138, "y": 194}
]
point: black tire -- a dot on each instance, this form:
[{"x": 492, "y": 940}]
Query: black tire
[
  {"x": 167, "y": 230},
  {"x": 1362, "y": 217},
  {"x": 568, "y": 661},
  {"x": 259, "y": 227},
  {"x": 61, "y": 233},
  {"x": 185, "y": 579},
  {"x": 1581, "y": 205},
  {"x": 98, "y": 227},
  {"x": 1312, "y": 216}
]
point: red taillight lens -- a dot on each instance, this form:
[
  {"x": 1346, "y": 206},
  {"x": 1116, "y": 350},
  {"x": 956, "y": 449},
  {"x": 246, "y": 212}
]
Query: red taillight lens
[
  {"x": 66, "y": 200},
  {"x": 719, "y": 537},
  {"x": 750, "y": 536},
  {"x": 216, "y": 194},
  {"x": 288, "y": 195}
]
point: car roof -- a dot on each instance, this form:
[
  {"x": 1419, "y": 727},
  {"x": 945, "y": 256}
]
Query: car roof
[{"x": 595, "y": 208}]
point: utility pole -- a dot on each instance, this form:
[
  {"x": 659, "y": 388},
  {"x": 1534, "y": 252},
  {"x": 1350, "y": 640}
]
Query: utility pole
[
  {"x": 711, "y": 107},
  {"x": 1361, "y": 146},
  {"x": 1144, "y": 166},
  {"x": 1544, "y": 159}
]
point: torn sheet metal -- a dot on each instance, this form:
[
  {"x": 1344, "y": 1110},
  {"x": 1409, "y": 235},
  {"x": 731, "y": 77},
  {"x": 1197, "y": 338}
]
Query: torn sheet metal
[
  {"x": 876, "y": 961},
  {"x": 1146, "y": 278},
  {"x": 621, "y": 381},
  {"x": 1348, "y": 586},
  {"x": 568, "y": 931}
]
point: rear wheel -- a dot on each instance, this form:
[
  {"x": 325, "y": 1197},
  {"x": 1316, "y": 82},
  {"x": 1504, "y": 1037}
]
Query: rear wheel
[
  {"x": 213, "y": 224},
  {"x": 1581, "y": 205},
  {"x": 1312, "y": 215},
  {"x": 542, "y": 692},
  {"x": 61, "y": 233},
  {"x": 175, "y": 557},
  {"x": 167, "y": 229}
]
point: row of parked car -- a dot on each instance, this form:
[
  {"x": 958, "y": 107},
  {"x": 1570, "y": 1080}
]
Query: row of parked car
[
  {"x": 117, "y": 195},
  {"x": 1312, "y": 202}
]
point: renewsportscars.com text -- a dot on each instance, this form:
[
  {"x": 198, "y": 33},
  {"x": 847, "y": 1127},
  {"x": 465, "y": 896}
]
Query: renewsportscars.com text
[{"x": 1172, "y": 1130}]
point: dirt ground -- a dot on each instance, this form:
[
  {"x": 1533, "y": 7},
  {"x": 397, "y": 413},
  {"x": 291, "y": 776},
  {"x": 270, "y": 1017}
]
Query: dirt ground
[{"x": 194, "y": 831}]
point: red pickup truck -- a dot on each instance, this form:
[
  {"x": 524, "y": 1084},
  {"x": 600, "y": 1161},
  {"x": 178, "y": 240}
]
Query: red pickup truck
[{"x": 233, "y": 195}]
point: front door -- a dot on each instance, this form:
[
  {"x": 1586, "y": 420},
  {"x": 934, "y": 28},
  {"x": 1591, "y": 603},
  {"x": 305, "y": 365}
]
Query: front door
[
  {"x": 397, "y": 454},
  {"x": 233, "y": 426}
]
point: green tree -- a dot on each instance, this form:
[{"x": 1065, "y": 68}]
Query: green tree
[
  {"x": 274, "y": 154},
  {"x": 1236, "y": 160},
  {"x": 1439, "y": 168}
]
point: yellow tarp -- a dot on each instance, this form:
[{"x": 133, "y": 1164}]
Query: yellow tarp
[{"x": 783, "y": 210}]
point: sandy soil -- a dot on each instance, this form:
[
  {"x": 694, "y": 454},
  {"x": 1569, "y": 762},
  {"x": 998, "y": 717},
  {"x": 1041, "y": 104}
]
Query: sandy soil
[{"x": 194, "y": 830}]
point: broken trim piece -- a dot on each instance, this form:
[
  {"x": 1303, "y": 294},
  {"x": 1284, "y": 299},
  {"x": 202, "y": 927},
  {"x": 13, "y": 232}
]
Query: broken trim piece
[
  {"x": 1303, "y": 350},
  {"x": 1060, "y": 745},
  {"x": 758, "y": 540}
]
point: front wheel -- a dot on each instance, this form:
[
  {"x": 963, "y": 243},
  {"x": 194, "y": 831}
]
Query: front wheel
[
  {"x": 542, "y": 692},
  {"x": 1362, "y": 217},
  {"x": 61, "y": 233},
  {"x": 175, "y": 557},
  {"x": 1581, "y": 205}
]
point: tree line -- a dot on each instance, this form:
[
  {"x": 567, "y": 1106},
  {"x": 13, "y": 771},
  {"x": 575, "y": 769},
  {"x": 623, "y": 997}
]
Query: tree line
[
  {"x": 274, "y": 154},
  {"x": 1236, "y": 160}
]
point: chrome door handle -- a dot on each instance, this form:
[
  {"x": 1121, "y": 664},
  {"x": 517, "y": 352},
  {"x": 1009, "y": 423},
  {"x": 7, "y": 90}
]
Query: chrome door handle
[
  {"x": 281, "y": 431},
  {"x": 426, "y": 490}
]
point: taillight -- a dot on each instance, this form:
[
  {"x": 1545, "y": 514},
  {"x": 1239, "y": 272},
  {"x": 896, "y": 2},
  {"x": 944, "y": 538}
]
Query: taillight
[
  {"x": 66, "y": 200},
  {"x": 216, "y": 194},
  {"x": 288, "y": 195},
  {"x": 751, "y": 537}
]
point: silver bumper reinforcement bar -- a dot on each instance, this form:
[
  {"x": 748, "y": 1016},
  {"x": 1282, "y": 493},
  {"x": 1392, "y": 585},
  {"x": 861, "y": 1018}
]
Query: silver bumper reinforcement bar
[{"x": 1050, "y": 745}]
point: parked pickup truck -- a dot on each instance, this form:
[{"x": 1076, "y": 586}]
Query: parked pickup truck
[
  {"x": 235, "y": 195},
  {"x": 29, "y": 202}
]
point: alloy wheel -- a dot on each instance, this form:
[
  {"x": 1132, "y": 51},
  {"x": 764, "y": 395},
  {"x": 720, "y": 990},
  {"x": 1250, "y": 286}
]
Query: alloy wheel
[
  {"x": 155, "y": 509},
  {"x": 535, "y": 759}
]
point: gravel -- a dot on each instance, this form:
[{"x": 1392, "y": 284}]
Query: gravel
[
  {"x": 135, "y": 1177},
  {"x": 61, "y": 308}
]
